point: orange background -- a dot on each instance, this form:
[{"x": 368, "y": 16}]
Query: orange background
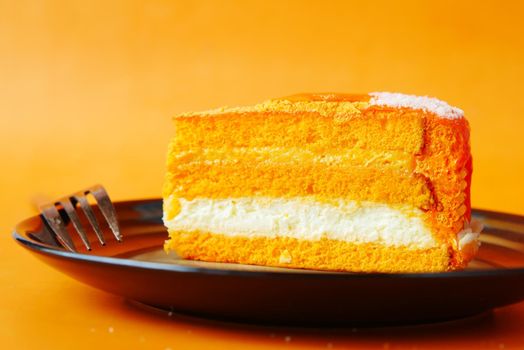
[{"x": 87, "y": 89}]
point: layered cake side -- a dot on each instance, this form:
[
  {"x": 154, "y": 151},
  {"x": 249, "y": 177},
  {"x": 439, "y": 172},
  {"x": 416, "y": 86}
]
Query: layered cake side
[{"x": 374, "y": 182}]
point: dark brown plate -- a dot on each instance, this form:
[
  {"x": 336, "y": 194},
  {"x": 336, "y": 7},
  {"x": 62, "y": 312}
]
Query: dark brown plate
[{"x": 137, "y": 269}]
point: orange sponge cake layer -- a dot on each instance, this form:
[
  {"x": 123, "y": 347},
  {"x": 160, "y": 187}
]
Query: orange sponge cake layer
[
  {"x": 324, "y": 181},
  {"x": 369, "y": 129},
  {"x": 355, "y": 172},
  {"x": 322, "y": 254}
]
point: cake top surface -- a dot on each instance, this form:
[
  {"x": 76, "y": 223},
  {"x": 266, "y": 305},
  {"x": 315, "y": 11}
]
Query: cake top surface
[{"x": 327, "y": 104}]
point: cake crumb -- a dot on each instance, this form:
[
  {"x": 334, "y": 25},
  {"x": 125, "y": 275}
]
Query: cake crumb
[{"x": 285, "y": 257}]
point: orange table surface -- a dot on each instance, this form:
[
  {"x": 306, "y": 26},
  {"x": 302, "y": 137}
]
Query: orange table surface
[{"x": 87, "y": 89}]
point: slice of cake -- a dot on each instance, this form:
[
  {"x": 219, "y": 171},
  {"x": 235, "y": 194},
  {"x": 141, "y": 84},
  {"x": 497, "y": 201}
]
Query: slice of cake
[{"x": 376, "y": 182}]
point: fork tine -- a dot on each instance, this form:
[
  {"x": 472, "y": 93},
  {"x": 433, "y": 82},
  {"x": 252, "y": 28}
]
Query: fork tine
[
  {"x": 53, "y": 219},
  {"x": 107, "y": 209},
  {"x": 70, "y": 210},
  {"x": 90, "y": 214}
]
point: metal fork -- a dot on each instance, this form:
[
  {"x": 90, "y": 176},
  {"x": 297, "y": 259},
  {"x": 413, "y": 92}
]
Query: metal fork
[{"x": 51, "y": 212}]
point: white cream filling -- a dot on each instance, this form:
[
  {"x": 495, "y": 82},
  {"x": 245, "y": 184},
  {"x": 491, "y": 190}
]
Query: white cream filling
[{"x": 302, "y": 218}]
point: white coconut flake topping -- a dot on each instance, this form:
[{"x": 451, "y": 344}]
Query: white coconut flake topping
[{"x": 425, "y": 103}]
